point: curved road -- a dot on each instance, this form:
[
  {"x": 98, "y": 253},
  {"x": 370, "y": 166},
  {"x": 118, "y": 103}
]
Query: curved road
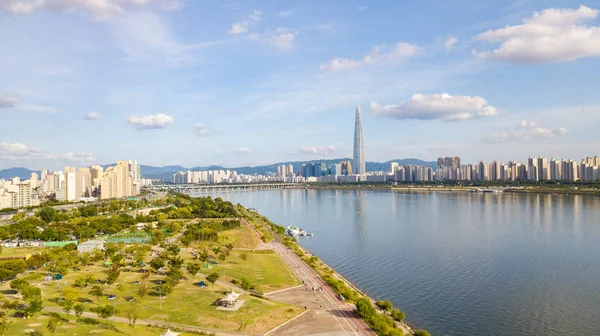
[{"x": 343, "y": 313}]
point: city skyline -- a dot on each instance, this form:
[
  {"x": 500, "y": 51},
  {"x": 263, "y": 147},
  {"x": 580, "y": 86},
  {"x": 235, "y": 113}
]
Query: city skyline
[{"x": 150, "y": 80}]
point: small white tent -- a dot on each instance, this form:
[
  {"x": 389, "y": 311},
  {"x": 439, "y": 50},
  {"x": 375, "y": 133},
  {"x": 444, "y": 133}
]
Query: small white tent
[{"x": 169, "y": 333}]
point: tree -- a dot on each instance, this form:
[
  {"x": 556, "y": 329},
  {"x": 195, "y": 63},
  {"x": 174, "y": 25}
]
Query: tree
[
  {"x": 47, "y": 214},
  {"x": 145, "y": 275},
  {"x": 212, "y": 277},
  {"x": 421, "y": 332},
  {"x": 157, "y": 263},
  {"x": 364, "y": 308},
  {"x": 97, "y": 291},
  {"x": 142, "y": 291},
  {"x": 193, "y": 269},
  {"x": 246, "y": 284},
  {"x": 19, "y": 284},
  {"x": 79, "y": 309},
  {"x": 113, "y": 274},
  {"x": 52, "y": 324},
  {"x": 176, "y": 262},
  {"x": 244, "y": 256},
  {"x": 397, "y": 315},
  {"x": 132, "y": 316},
  {"x": 222, "y": 256},
  {"x": 216, "y": 250},
  {"x": 106, "y": 312},
  {"x": 385, "y": 305}
]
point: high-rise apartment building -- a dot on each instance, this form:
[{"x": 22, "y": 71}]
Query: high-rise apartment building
[
  {"x": 117, "y": 182},
  {"x": 358, "y": 157},
  {"x": 346, "y": 167}
]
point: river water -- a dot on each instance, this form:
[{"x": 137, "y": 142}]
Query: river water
[{"x": 457, "y": 263}]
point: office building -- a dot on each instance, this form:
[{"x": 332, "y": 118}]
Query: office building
[{"x": 358, "y": 158}]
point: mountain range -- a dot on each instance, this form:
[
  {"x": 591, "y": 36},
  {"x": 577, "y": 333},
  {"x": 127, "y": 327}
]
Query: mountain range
[{"x": 166, "y": 172}]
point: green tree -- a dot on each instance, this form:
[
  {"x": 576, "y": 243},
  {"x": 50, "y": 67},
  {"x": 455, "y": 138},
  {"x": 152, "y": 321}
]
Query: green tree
[
  {"x": 364, "y": 308},
  {"x": 246, "y": 284},
  {"x": 113, "y": 274},
  {"x": 142, "y": 291},
  {"x": 79, "y": 309},
  {"x": 47, "y": 214},
  {"x": 52, "y": 324},
  {"x": 106, "y": 312},
  {"x": 397, "y": 315},
  {"x": 132, "y": 316},
  {"x": 97, "y": 291},
  {"x": 212, "y": 277},
  {"x": 385, "y": 305},
  {"x": 157, "y": 263},
  {"x": 19, "y": 284},
  {"x": 421, "y": 332},
  {"x": 222, "y": 256},
  {"x": 244, "y": 256},
  {"x": 193, "y": 269}
]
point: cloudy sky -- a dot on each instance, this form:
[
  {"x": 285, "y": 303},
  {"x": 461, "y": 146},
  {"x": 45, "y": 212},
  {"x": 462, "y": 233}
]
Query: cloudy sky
[{"x": 255, "y": 82}]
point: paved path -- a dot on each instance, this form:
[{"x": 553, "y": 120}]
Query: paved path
[{"x": 344, "y": 314}]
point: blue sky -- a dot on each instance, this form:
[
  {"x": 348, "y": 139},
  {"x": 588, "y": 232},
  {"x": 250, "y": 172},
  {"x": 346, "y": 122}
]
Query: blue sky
[{"x": 255, "y": 82}]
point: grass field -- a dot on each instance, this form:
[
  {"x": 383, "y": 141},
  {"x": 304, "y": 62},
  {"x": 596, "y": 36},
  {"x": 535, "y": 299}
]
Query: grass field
[
  {"x": 243, "y": 237},
  {"x": 20, "y": 251},
  {"x": 187, "y": 304},
  {"x": 85, "y": 327}
]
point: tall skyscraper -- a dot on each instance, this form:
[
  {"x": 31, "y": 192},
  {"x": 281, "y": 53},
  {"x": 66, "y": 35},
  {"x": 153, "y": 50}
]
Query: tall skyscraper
[{"x": 358, "y": 159}]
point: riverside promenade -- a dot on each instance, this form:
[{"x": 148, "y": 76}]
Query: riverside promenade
[{"x": 324, "y": 300}]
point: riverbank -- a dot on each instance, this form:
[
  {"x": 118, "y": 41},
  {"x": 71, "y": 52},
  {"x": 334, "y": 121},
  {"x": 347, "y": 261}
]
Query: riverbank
[
  {"x": 522, "y": 190},
  {"x": 382, "y": 322}
]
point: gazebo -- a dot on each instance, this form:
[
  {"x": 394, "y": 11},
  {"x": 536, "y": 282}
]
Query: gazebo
[
  {"x": 229, "y": 300},
  {"x": 169, "y": 333}
]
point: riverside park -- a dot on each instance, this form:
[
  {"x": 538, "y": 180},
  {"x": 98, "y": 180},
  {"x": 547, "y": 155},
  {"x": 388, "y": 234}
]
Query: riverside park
[{"x": 173, "y": 265}]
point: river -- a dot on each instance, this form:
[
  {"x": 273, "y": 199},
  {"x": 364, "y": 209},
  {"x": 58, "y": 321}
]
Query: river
[{"x": 457, "y": 263}]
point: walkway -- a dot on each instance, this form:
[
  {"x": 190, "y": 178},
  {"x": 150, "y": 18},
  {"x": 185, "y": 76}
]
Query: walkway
[{"x": 343, "y": 312}]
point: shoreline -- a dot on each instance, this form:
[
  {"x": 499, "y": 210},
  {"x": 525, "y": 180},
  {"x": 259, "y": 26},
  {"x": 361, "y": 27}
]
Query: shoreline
[{"x": 527, "y": 190}]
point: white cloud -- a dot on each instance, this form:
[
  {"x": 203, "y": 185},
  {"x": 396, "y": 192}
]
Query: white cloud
[
  {"x": 100, "y": 10},
  {"x": 151, "y": 121},
  {"x": 525, "y": 131},
  {"x": 93, "y": 116},
  {"x": 201, "y": 130},
  {"x": 244, "y": 150},
  {"x": 238, "y": 28},
  {"x": 17, "y": 149},
  {"x": 449, "y": 44},
  {"x": 256, "y": 14},
  {"x": 550, "y": 36},
  {"x": 285, "y": 13},
  {"x": 282, "y": 41},
  {"x": 378, "y": 54},
  {"x": 315, "y": 150},
  {"x": 7, "y": 101},
  {"x": 437, "y": 107}
]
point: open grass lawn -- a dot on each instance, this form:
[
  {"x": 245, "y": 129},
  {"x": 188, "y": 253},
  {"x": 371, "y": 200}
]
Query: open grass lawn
[
  {"x": 244, "y": 237},
  {"x": 20, "y": 251},
  {"x": 187, "y": 304},
  {"x": 85, "y": 327},
  {"x": 264, "y": 270}
]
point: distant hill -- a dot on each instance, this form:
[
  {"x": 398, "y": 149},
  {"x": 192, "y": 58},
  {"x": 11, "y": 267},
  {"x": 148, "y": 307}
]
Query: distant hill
[
  {"x": 166, "y": 173},
  {"x": 22, "y": 173}
]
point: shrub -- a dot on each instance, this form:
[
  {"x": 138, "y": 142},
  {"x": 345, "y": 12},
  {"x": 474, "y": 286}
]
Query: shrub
[
  {"x": 385, "y": 305},
  {"x": 397, "y": 315},
  {"x": 421, "y": 332}
]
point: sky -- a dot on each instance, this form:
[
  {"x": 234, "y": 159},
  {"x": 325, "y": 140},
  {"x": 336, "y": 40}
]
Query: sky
[{"x": 196, "y": 83}]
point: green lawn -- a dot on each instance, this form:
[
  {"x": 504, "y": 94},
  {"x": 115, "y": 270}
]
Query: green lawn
[
  {"x": 85, "y": 327},
  {"x": 264, "y": 270},
  {"x": 244, "y": 237},
  {"x": 187, "y": 304},
  {"x": 20, "y": 251}
]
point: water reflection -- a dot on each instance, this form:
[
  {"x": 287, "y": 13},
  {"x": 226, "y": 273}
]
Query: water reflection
[{"x": 458, "y": 263}]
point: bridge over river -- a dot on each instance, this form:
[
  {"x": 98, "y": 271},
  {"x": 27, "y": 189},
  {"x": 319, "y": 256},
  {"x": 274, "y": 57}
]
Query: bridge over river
[{"x": 211, "y": 188}]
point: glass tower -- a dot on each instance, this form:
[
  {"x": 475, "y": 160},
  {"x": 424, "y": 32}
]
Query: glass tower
[{"x": 358, "y": 159}]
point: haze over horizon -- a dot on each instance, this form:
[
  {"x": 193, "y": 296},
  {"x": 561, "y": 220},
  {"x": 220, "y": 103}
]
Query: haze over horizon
[{"x": 247, "y": 84}]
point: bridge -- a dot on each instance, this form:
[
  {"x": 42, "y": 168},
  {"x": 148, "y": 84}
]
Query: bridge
[{"x": 211, "y": 188}]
